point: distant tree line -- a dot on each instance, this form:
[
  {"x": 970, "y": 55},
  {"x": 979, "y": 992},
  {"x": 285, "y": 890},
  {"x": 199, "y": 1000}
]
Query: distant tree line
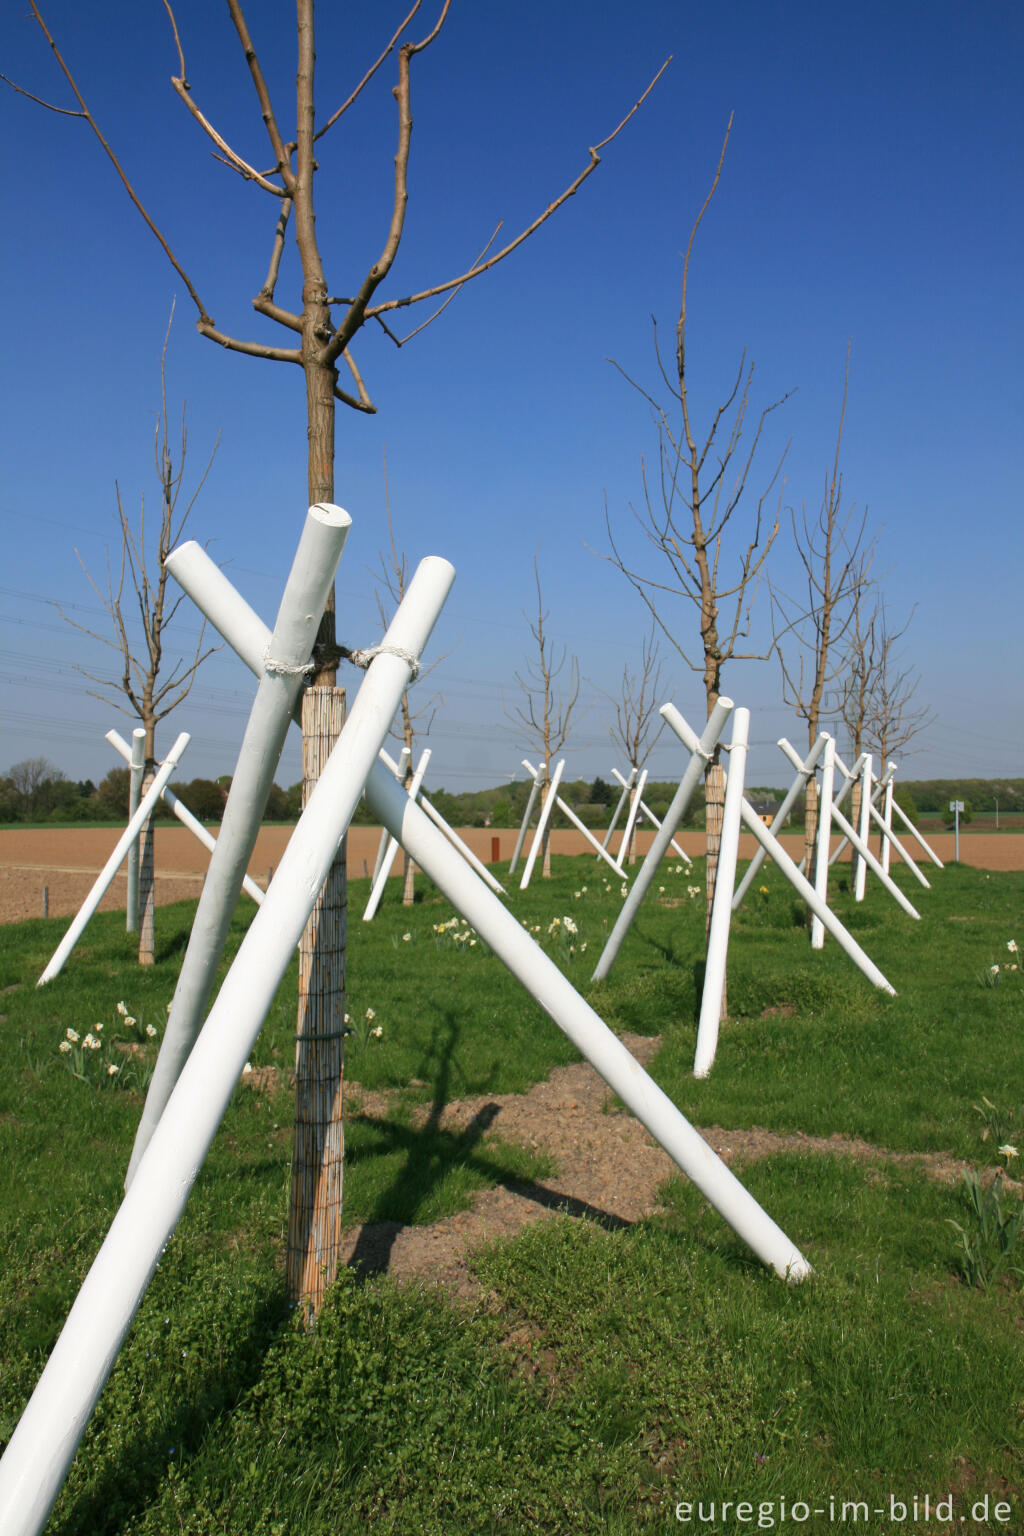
[{"x": 37, "y": 791}]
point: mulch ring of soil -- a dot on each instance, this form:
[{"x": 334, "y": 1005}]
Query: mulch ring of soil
[{"x": 609, "y": 1168}]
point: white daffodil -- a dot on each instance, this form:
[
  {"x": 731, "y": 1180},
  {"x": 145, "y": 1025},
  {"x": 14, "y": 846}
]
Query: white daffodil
[
  {"x": 72, "y": 1035},
  {"x": 64, "y": 1047},
  {"x": 113, "y": 1070},
  {"x": 1006, "y": 1150}
]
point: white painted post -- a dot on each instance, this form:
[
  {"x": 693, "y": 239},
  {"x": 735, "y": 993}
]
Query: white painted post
[
  {"x": 404, "y": 759},
  {"x": 284, "y": 669},
  {"x": 627, "y": 785},
  {"x": 530, "y": 803},
  {"x": 646, "y": 812},
  {"x": 915, "y": 834},
  {"x": 700, "y": 754},
  {"x": 887, "y": 824},
  {"x": 137, "y": 767},
  {"x": 828, "y": 769},
  {"x": 545, "y": 816},
  {"x": 43, "y": 1445},
  {"x": 184, "y": 815},
  {"x": 634, "y": 809},
  {"x": 864, "y": 852},
  {"x": 453, "y": 837},
  {"x": 805, "y": 767},
  {"x": 786, "y": 866},
  {"x": 113, "y": 864},
  {"x": 570, "y": 814},
  {"x": 388, "y": 860},
  {"x": 721, "y": 903},
  {"x": 502, "y": 932},
  {"x": 860, "y": 878}
]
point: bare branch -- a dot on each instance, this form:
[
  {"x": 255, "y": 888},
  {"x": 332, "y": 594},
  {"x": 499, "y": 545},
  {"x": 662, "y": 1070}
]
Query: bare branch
[
  {"x": 63, "y": 111},
  {"x": 277, "y": 144},
  {"x": 250, "y": 348},
  {"x": 477, "y": 269},
  {"x": 369, "y": 74}
]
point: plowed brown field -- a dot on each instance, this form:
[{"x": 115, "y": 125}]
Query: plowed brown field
[{"x": 67, "y": 861}]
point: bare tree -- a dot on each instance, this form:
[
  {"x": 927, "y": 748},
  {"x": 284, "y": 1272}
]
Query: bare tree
[
  {"x": 893, "y": 718},
  {"x": 811, "y": 630},
  {"x": 544, "y": 718},
  {"x": 134, "y": 592},
  {"x": 636, "y": 712},
  {"x": 690, "y": 505},
  {"x": 321, "y": 326},
  {"x": 393, "y": 578}
]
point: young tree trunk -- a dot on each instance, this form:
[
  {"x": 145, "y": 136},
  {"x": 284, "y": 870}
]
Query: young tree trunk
[
  {"x": 854, "y": 819},
  {"x": 314, "y": 1216},
  {"x": 810, "y": 837},
  {"x": 147, "y": 895},
  {"x": 714, "y": 797}
]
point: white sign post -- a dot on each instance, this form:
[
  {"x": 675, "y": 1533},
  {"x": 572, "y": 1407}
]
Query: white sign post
[{"x": 956, "y": 806}]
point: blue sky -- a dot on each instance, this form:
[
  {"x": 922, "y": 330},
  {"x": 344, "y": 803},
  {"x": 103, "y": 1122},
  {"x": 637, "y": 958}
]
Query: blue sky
[{"x": 871, "y": 196}]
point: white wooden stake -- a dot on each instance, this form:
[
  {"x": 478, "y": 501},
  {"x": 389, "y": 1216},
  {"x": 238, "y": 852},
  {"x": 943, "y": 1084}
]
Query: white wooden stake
[
  {"x": 530, "y": 803},
  {"x": 828, "y": 770},
  {"x": 646, "y": 812},
  {"x": 284, "y": 669},
  {"x": 860, "y": 878},
  {"x": 404, "y": 759},
  {"x": 542, "y": 822},
  {"x": 634, "y": 810},
  {"x": 786, "y": 866},
  {"x": 721, "y": 902},
  {"x": 184, "y": 815},
  {"x": 909, "y": 825},
  {"x": 43, "y": 1445},
  {"x": 887, "y": 826},
  {"x": 627, "y": 785},
  {"x": 113, "y": 864},
  {"x": 137, "y": 767},
  {"x": 556, "y": 995},
  {"x": 571, "y": 816},
  {"x": 805, "y": 767},
  {"x": 381, "y": 879},
  {"x": 700, "y": 755},
  {"x": 864, "y": 852}
]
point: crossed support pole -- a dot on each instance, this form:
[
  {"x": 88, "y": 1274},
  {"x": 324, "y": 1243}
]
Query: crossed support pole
[
  {"x": 552, "y": 799},
  {"x": 44, "y": 1442},
  {"x": 647, "y": 814}
]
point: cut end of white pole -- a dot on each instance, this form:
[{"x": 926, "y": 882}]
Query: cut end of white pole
[{"x": 329, "y": 515}]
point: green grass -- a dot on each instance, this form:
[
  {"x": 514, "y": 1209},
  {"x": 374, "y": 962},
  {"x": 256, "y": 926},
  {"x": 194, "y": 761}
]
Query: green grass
[{"x": 609, "y": 1374}]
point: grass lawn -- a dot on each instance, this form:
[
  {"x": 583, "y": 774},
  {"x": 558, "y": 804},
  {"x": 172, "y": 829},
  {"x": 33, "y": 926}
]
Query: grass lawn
[{"x": 607, "y": 1376}]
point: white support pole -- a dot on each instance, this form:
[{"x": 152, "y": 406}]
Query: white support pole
[
  {"x": 137, "y": 767},
  {"x": 503, "y": 933},
  {"x": 914, "y": 832},
  {"x": 828, "y": 771},
  {"x": 184, "y": 815},
  {"x": 399, "y": 769},
  {"x": 381, "y": 879},
  {"x": 113, "y": 864},
  {"x": 627, "y": 785},
  {"x": 570, "y": 814},
  {"x": 837, "y": 798},
  {"x": 721, "y": 902},
  {"x": 43, "y": 1445},
  {"x": 870, "y": 862},
  {"x": 530, "y": 803},
  {"x": 284, "y": 669},
  {"x": 886, "y": 825},
  {"x": 545, "y": 816},
  {"x": 634, "y": 810},
  {"x": 770, "y": 843},
  {"x": 860, "y": 878},
  {"x": 452, "y": 836},
  {"x": 805, "y": 767},
  {"x": 850, "y": 775},
  {"x": 804, "y": 889},
  {"x": 700, "y": 754},
  {"x": 646, "y": 812}
]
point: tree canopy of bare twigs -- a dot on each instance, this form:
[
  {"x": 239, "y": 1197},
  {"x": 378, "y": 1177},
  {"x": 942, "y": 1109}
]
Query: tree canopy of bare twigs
[
  {"x": 324, "y": 319},
  {"x": 544, "y": 719},
  {"x": 878, "y": 698},
  {"x": 692, "y": 498},
  {"x": 637, "y": 726},
  {"x": 133, "y": 589}
]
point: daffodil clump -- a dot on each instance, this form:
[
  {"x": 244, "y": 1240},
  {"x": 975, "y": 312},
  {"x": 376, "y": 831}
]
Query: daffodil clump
[
  {"x": 456, "y": 933},
  {"x": 117, "y": 1057},
  {"x": 998, "y": 969}
]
